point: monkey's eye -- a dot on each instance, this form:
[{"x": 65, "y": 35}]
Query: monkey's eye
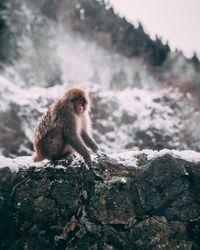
[{"x": 80, "y": 100}]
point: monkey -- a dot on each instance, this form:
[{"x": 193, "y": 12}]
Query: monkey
[{"x": 65, "y": 128}]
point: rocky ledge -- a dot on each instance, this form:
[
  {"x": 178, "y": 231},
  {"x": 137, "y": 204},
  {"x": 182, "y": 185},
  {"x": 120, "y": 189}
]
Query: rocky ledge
[{"x": 134, "y": 200}]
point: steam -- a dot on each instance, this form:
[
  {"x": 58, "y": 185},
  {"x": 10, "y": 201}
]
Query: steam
[
  {"x": 35, "y": 62},
  {"x": 84, "y": 61},
  {"x": 179, "y": 70},
  {"x": 50, "y": 54}
]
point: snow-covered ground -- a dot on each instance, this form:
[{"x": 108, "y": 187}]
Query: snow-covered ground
[{"x": 129, "y": 159}]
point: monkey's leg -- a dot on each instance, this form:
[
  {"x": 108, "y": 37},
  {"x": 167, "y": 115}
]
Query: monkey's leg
[
  {"x": 68, "y": 150},
  {"x": 38, "y": 155},
  {"x": 89, "y": 141},
  {"x": 78, "y": 145}
]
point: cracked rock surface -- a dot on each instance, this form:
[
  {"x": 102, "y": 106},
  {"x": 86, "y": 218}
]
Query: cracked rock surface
[{"x": 154, "y": 204}]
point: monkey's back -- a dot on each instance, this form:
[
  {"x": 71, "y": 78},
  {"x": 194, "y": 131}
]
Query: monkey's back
[
  {"x": 48, "y": 134},
  {"x": 43, "y": 127}
]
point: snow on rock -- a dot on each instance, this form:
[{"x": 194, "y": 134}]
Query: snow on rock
[
  {"x": 8, "y": 162},
  {"x": 128, "y": 159},
  {"x": 19, "y": 162},
  {"x": 187, "y": 155},
  {"x": 153, "y": 203}
]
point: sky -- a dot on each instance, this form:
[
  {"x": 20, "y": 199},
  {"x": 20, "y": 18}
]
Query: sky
[{"x": 176, "y": 21}]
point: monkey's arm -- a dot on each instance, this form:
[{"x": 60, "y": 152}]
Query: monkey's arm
[
  {"x": 89, "y": 141},
  {"x": 78, "y": 145}
]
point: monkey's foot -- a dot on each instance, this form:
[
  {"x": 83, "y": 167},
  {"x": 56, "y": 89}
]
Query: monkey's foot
[
  {"x": 37, "y": 158},
  {"x": 101, "y": 154}
]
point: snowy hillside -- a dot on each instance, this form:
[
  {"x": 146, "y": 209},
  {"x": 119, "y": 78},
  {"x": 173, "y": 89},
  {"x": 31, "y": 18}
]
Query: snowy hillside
[{"x": 129, "y": 119}]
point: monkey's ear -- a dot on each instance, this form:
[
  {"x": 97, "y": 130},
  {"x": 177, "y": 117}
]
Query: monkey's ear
[{"x": 67, "y": 90}]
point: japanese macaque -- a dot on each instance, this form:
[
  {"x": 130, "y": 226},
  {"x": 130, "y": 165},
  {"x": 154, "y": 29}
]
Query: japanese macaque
[{"x": 65, "y": 128}]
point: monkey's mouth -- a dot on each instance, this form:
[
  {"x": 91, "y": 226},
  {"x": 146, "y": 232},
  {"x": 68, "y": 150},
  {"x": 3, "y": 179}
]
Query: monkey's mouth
[{"x": 79, "y": 107}]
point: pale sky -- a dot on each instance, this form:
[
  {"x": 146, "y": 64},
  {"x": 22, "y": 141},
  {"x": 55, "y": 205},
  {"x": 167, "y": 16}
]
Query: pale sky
[{"x": 176, "y": 21}]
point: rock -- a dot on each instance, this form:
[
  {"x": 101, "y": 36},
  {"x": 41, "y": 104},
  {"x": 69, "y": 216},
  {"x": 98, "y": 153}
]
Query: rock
[{"x": 127, "y": 201}]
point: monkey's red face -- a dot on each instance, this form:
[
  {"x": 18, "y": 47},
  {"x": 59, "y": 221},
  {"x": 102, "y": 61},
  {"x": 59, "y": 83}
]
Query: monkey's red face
[
  {"x": 79, "y": 100},
  {"x": 79, "y": 104}
]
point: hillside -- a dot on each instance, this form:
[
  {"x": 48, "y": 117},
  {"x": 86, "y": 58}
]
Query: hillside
[
  {"x": 31, "y": 30},
  {"x": 97, "y": 20},
  {"x": 138, "y": 102},
  {"x": 127, "y": 119}
]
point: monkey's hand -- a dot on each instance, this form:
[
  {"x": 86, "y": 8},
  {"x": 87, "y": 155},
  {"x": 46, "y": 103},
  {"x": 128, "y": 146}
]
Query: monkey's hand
[
  {"x": 88, "y": 140},
  {"x": 100, "y": 154},
  {"x": 95, "y": 148},
  {"x": 79, "y": 146}
]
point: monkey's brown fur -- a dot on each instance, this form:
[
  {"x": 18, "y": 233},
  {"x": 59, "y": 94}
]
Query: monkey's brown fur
[{"x": 65, "y": 128}]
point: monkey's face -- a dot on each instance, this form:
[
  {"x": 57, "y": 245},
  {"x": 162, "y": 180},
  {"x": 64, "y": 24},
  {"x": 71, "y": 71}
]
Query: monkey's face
[
  {"x": 78, "y": 99},
  {"x": 79, "y": 104}
]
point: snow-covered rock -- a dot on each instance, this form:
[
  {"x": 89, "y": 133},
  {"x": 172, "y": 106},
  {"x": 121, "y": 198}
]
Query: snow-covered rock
[{"x": 131, "y": 200}]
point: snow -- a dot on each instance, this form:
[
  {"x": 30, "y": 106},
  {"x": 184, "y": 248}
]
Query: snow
[
  {"x": 11, "y": 93},
  {"x": 123, "y": 180},
  {"x": 118, "y": 179},
  {"x": 136, "y": 110},
  {"x": 141, "y": 102},
  {"x": 19, "y": 162},
  {"x": 187, "y": 155},
  {"x": 127, "y": 159},
  {"x": 77, "y": 161},
  {"x": 130, "y": 158},
  {"x": 59, "y": 167},
  {"x": 8, "y": 162}
]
